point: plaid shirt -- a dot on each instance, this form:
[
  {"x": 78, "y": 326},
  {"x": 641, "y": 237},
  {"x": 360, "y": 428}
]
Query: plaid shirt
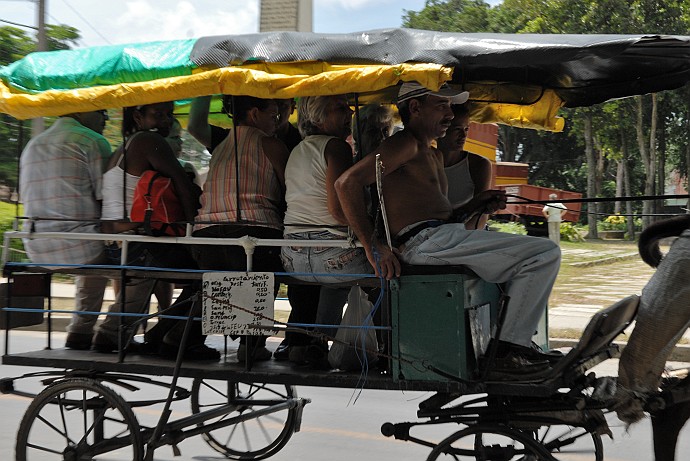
[{"x": 61, "y": 173}]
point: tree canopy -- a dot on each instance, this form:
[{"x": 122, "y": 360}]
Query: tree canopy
[{"x": 606, "y": 147}]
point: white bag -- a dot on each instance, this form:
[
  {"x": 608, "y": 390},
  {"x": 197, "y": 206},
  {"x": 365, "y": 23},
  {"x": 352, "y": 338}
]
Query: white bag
[{"x": 355, "y": 347}]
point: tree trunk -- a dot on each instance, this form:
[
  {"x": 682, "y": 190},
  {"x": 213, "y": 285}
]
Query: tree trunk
[
  {"x": 507, "y": 144},
  {"x": 661, "y": 177},
  {"x": 591, "y": 176},
  {"x": 647, "y": 155},
  {"x": 630, "y": 220},
  {"x": 620, "y": 173},
  {"x": 687, "y": 151}
]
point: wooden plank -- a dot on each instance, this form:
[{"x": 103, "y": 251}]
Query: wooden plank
[{"x": 227, "y": 368}]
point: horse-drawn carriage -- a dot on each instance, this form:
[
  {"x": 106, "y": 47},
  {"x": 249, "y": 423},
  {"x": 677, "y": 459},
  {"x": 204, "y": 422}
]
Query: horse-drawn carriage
[{"x": 519, "y": 80}]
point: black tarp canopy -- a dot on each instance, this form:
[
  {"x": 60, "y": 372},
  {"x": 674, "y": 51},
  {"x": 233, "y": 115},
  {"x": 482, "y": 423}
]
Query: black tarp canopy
[{"x": 517, "y": 79}]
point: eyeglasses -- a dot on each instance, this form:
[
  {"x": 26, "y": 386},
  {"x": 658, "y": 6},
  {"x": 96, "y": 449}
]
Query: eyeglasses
[
  {"x": 275, "y": 116},
  {"x": 104, "y": 113}
]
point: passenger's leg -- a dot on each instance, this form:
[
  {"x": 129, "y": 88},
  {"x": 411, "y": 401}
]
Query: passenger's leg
[
  {"x": 304, "y": 302},
  {"x": 330, "y": 311},
  {"x": 88, "y": 297},
  {"x": 137, "y": 296},
  {"x": 233, "y": 258},
  {"x": 137, "y": 293},
  {"x": 527, "y": 265}
]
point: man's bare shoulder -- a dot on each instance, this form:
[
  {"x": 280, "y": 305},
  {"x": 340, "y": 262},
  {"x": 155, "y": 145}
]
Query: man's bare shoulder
[{"x": 401, "y": 144}]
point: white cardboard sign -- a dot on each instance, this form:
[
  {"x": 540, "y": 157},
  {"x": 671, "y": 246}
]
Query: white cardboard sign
[{"x": 235, "y": 302}]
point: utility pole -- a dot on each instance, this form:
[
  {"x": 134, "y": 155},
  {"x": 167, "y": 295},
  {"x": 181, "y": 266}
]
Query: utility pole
[{"x": 37, "y": 125}]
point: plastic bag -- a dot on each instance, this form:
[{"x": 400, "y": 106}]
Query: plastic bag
[{"x": 355, "y": 347}]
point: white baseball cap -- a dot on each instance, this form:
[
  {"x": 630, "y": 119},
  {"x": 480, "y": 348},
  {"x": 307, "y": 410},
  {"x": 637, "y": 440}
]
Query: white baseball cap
[{"x": 409, "y": 90}]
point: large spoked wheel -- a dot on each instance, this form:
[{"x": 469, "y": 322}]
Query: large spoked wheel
[
  {"x": 257, "y": 437},
  {"x": 78, "y": 420},
  {"x": 490, "y": 443},
  {"x": 568, "y": 443}
]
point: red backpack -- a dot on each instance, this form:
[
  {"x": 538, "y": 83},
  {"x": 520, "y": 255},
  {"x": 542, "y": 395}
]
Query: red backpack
[{"x": 156, "y": 205}]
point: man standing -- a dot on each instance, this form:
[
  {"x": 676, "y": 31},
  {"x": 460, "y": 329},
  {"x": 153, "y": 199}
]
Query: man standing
[
  {"x": 553, "y": 212},
  {"x": 60, "y": 186},
  {"x": 427, "y": 230}
]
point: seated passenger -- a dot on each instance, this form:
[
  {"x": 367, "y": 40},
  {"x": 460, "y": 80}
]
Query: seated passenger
[
  {"x": 60, "y": 177},
  {"x": 374, "y": 125},
  {"x": 144, "y": 129},
  {"x": 468, "y": 174},
  {"x": 420, "y": 218},
  {"x": 259, "y": 187},
  {"x": 313, "y": 210}
]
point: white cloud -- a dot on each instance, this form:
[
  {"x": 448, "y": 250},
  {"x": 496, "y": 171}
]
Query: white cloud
[
  {"x": 143, "y": 20},
  {"x": 353, "y": 4}
]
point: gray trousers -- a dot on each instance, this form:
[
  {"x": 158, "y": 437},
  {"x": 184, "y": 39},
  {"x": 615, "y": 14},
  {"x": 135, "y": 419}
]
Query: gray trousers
[
  {"x": 528, "y": 267},
  {"x": 555, "y": 231},
  {"x": 88, "y": 298}
]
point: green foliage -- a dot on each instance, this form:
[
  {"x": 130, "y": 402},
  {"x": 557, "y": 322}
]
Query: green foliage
[
  {"x": 509, "y": 227},
  {"x": 614, "y": 222},
  {"x": 61, "y": 37},
  {"x": 571, "y": 232},
  {"x": 450, "y": 16},
  {"x": 8, "y": 212}
]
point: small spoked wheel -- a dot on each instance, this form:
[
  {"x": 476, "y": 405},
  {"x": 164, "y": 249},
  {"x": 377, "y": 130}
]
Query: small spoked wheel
[
  {"x": 258, "y": 435},
  {"x": 571, "y": 443},
  {"x": 78, "y": 420},
  {"x": 490, "y": 443}
]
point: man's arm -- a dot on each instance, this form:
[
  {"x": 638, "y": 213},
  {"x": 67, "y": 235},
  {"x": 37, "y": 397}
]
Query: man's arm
[
  {"x": 198, "y": 125},
  {"x": 350, "y": 188},
  {"x": 480, "y": 171}
]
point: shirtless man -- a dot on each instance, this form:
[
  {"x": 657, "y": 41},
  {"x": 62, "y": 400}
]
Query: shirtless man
[{"x": 427, "y": 229}]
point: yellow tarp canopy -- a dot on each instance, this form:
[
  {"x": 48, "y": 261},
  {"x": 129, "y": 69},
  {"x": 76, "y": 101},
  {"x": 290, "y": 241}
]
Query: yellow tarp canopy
[{"x": 285, "y": 80}]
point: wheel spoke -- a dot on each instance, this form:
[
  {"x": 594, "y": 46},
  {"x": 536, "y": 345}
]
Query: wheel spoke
[
  {"x": 257, "y": 437},
  {"x": 69, "y": 401}
]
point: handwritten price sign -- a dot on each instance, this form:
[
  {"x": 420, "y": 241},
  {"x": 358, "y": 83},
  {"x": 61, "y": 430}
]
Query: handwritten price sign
[{"x": 236, "y": 303}]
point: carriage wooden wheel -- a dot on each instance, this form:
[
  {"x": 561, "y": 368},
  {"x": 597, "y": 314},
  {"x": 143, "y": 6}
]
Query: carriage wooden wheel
[
  {"x": 78, "y": 419},
  {"x": 258, "y": 437}
]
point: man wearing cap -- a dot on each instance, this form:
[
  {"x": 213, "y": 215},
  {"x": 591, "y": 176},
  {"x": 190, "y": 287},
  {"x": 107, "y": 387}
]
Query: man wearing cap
[
  {"x": 553, "y": 212},
  {"x": 60, "y": 182},
  {"x": 428, "y": 231}
]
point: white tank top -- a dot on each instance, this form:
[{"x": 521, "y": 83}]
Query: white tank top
[
  {"x": 113, "y": 180},
  {"x": 113, "y": 184},
  {"x": 305, "y": 184},
  {"x": 460, "y": 184}
]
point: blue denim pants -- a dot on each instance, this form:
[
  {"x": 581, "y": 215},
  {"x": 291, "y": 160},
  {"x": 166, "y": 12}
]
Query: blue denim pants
[{"x": 326, "y": 265}]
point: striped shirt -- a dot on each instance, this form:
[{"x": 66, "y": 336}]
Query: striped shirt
[
  {"x": 61, "y": 177},
  {"x": 259, "y": 189}
]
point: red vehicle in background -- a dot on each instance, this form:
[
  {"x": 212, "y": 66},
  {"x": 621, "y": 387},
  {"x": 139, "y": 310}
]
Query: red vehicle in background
[{"x": 512, "y": 177}]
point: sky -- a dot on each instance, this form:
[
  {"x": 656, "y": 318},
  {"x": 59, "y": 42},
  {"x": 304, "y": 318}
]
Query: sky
[{"x": 104, "y": 22}]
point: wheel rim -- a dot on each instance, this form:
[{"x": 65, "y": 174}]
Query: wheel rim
[
  {"x": 256, "y": 438},
  {"x": 489, "y": 443},
  {"x": 78, "y": 419}
]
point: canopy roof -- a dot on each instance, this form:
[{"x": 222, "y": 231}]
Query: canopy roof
[{"x": 520, "y": 80}]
